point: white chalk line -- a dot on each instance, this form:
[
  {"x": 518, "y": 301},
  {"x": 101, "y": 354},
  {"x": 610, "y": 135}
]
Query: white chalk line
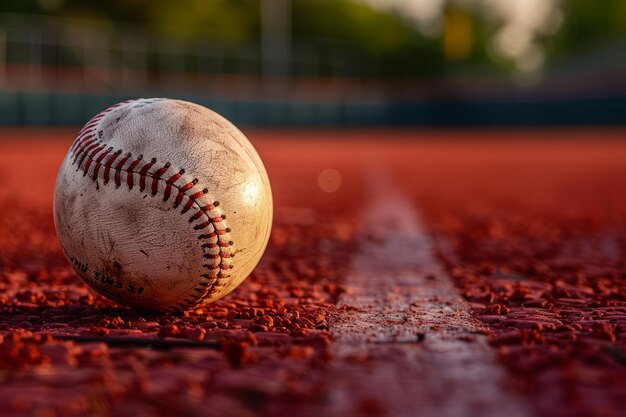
[{"x": 401, "y": 336}]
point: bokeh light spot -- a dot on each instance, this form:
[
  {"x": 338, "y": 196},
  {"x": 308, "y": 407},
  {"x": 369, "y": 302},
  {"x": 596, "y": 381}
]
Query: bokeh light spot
[{"x": 329, "y": 180}]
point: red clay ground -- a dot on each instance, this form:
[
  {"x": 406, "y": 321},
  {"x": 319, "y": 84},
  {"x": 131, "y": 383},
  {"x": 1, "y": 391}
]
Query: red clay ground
[{"x": 531, "y": 226}]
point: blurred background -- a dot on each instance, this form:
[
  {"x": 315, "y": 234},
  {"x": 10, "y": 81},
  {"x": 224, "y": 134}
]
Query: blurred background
[{"x": 319, "y": 62}]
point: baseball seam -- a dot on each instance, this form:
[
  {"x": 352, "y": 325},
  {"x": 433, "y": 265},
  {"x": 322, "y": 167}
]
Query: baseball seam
[{"x": 98, "y": 160}]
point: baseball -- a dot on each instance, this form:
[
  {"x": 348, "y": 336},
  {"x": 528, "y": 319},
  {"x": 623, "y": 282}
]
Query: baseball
[{"x": 162, "y": 204}]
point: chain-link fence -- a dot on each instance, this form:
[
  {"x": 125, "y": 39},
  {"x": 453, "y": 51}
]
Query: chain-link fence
[{"x": 44, "y": 53}]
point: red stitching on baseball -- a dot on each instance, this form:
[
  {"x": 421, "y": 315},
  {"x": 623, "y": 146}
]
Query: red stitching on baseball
[
  {"x": 156, "y": 177},
  {"x": 88, "y": 148},
  {"x": 118, "y": 170},
  {"x": 131, "y": 170},
  {"x": 107, "y": 166},
  {"x": 196, "y": 216},
  {"x": 188, "y": 205},
  {"x": 142, "y": 174},
  {"x": 168, "y": 186},
  {"x": 186, "y": 187},
  {"x": 86, "y": 151},
  {"x": 178, "y": 199},
  {"x": 90, "y": 159},
  {"x": 87, "y": 130},
  {"x": 202, "y": 226},
  {"x": 98, "y": 163}
]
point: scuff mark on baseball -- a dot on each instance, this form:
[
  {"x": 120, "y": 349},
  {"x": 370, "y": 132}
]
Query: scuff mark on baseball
[{"x": 167, "y": 178}]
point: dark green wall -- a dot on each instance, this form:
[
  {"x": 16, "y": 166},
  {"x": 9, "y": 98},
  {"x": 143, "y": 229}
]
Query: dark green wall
[{"x": 55, "y": 109}]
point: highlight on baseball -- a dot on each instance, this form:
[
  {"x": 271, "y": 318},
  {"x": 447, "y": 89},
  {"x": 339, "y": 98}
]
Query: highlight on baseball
[{"x": 162, "y": 204}]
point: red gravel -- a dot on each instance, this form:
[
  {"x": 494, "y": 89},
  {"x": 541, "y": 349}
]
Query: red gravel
[
  {"x": 256, "y": 343},
  {"x": 533, "y": 233}
]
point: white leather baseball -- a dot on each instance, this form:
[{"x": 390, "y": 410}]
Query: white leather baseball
[{"x": 162, "y": 204}]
